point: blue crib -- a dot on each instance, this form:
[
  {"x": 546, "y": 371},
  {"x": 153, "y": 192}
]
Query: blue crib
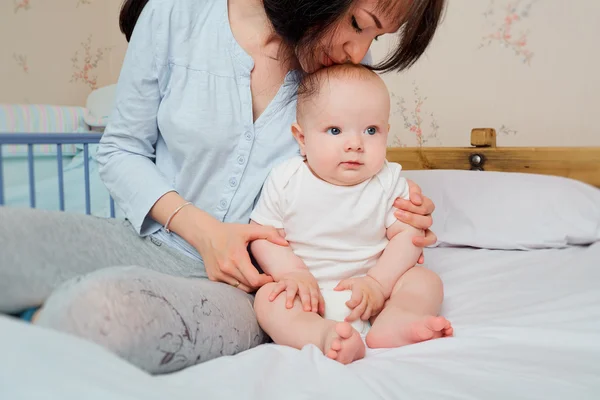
[{"x": 30, "y": 140}]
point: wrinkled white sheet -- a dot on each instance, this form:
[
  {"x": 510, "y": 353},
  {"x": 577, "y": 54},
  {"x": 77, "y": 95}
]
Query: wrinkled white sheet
[{"x": 527, "y": 326}]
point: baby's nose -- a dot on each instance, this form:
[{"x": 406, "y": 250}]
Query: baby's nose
[{"x": 354, "y": 143}]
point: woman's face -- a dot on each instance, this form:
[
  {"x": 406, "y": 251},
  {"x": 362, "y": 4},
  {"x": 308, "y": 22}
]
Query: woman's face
[{"x": 350, "y": 40}]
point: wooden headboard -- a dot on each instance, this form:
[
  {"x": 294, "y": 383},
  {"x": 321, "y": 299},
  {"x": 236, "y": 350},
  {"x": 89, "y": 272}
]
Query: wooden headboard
[{"x": 581, "y": 163}]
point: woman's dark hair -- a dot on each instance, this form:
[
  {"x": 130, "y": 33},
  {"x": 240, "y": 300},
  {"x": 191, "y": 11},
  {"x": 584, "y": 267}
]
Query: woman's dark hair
[
  {"x": 130, "y": 12},
  {"x": 302, "y": 23}
]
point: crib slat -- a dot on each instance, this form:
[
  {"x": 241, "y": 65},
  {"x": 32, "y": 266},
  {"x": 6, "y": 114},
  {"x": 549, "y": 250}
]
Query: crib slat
[
  {"x": 1, "y": 178},
  {"x": 61, "y": 182},
  {"x": 112, "y": 207},
  {"x": 86, "y": 169},
  {"x": 31, "y": 175}
]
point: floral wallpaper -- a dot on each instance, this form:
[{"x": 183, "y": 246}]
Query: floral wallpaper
[
  {"x": 86, "y": 63},
  {"x": 527, "y": 68},
  {"x": 506, "y": 21},
  {"x": 64, "y": 49}
]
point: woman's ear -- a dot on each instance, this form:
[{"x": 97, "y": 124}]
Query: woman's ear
[{"x": 299, "y": 136}]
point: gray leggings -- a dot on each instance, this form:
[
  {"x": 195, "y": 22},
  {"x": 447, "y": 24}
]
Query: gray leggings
[{"x": 141, "y": 299}]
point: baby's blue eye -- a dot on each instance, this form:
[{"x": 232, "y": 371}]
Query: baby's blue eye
[
  {"x": 334, "y": 131},
  {"x": 371, "y": 130}
]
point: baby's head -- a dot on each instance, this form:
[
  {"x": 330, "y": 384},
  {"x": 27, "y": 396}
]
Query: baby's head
[{"x": 343, "y": 123}]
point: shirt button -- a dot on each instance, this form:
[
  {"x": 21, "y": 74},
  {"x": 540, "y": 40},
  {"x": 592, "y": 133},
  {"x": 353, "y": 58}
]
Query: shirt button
[
  {"x": 223, "y": 203},
  {"x": 241, "y": 160},
  {"x": 248, "y": 136},
  {"x": 232, "y": 182}
]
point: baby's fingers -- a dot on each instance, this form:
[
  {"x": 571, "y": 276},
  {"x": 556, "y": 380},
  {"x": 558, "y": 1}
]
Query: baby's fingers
[
  {"x": 368, "y": 313},
  {"x": 358, "y": 311},
  {"x": 291, "y": 290},
  {"x": 346, "y": 284},
  {"x": 357, "y": 297},
  {"x": 321, "y": 305},
  {"x": 314, "y": 298},
  {"x": 279, "y": 287},
  {"x": 305, "y": 296}
]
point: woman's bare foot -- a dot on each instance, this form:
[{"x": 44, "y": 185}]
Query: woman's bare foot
[
  {"x": 407, "y": 329},
  {"x": 341, "y": 342}
]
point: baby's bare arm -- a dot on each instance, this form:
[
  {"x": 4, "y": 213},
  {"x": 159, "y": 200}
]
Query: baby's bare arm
[
  {"x": 275, "y": 260},
  {"x": 398, "y": 257}
]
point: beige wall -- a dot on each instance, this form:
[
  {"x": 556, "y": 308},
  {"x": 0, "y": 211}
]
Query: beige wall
[
  {"x": 528, "y": 68},
  {"x": 57, "y": 51}
]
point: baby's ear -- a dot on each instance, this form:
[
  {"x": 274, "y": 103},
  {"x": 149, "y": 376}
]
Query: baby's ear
[{"x": 299, "y": 136}]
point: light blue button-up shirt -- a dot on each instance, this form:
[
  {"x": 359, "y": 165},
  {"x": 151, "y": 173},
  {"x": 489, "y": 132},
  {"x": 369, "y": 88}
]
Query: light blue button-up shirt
[{"x": 183, "y": 119}]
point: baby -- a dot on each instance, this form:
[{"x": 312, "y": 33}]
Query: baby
[{"x": 341, "y": 280}]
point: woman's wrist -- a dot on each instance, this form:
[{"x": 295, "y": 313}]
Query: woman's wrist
[
  {"x": 189, "y": 222},
  {"x": 193, "y": 225}
]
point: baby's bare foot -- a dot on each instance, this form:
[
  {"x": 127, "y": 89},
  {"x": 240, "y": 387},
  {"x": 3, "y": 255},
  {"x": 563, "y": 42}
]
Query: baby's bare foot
[
  {"x": 408, "y": 329},
  {"x": 341, "y": 342}
]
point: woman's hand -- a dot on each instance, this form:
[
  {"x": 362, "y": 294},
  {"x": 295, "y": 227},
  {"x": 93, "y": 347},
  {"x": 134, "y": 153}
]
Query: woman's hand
[
  {"x": 223, "y": 246},
  {"x": 224, "y": 249},
  {"x": 303, "y": 284},
  {"x": 367, "y": 297},
  {"x": 417, "y": 213}
]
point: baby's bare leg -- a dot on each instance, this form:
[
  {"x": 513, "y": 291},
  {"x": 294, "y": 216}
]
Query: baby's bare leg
[
  {"x": 296, "y": 328},
  {"x": 410, "y": 314}
]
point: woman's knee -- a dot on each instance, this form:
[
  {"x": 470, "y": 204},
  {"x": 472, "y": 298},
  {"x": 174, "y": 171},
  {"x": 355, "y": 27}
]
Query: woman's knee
[
  {"x": 156, "y": 321},
  {"x": 101, "y": 306}
]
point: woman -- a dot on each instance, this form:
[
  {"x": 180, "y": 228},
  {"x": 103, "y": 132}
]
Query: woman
[{"x": 202, "y": 113}]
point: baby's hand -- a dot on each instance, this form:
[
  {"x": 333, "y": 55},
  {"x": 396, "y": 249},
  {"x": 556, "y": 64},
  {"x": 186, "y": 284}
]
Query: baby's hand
[
  {"x": 367, "y": 297},
  {"x": 304, "y": 284}
]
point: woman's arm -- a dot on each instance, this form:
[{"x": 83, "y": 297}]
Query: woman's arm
[
  {"x": 127, "y": 149},
  {"x": 126, "y": 162},
  {"x": 417, "y": 213}
]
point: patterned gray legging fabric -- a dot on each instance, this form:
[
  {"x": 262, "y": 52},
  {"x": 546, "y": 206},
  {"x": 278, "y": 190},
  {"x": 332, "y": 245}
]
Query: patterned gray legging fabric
[{"x": 136, "y": 296}]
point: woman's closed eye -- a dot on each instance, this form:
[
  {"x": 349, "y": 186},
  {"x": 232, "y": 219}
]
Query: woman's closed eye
[
  {"x": 355, "y": 25},
  {"x": 357, "y": 28}
]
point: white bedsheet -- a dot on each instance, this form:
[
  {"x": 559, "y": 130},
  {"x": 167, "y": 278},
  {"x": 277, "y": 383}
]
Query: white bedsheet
[{"x": 527, "y": 326}]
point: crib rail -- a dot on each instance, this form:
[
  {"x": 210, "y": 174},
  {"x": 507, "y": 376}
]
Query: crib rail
[{"x": 57, "y": 139}]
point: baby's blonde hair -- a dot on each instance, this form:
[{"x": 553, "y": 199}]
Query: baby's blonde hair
[{"x": 310, "y": 84}]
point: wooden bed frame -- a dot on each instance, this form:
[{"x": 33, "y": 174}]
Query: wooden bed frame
[{"x": 580, "y": 163}]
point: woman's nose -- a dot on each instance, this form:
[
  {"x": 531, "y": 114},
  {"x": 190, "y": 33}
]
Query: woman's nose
[{"x": 357, "y": 50}]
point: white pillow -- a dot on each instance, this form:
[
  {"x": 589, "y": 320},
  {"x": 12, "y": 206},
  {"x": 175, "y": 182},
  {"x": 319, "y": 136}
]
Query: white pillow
[
  {"x": 99, "y": 105},
  {"x": 501, "y": 210}
]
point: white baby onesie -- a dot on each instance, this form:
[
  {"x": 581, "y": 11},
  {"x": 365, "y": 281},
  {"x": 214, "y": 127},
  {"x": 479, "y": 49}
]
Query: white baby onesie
[{"x": 338, "y": 231}]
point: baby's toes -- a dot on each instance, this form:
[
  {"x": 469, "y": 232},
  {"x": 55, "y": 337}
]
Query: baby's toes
[
  {"x": 436, "y": 324},
  {"x": 336, "y": 344},
  {"x": 344, "y": 330},
  {"x": 331, "y": 354},
  {"x": 448, "y": 330}
]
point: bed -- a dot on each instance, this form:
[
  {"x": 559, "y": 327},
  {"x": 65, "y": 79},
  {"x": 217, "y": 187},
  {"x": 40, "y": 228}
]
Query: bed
[
  {"x": 58, "y": 180},
  {"x": 524, "y": 303},
  {"x": 46, "y": 147}
]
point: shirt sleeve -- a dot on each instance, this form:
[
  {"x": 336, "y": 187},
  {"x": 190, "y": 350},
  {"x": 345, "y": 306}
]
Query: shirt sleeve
[
  {"x": 268, "y": 209},
  {"x": 398, "y": 188},
  {"x": 126, "y": 152}
]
